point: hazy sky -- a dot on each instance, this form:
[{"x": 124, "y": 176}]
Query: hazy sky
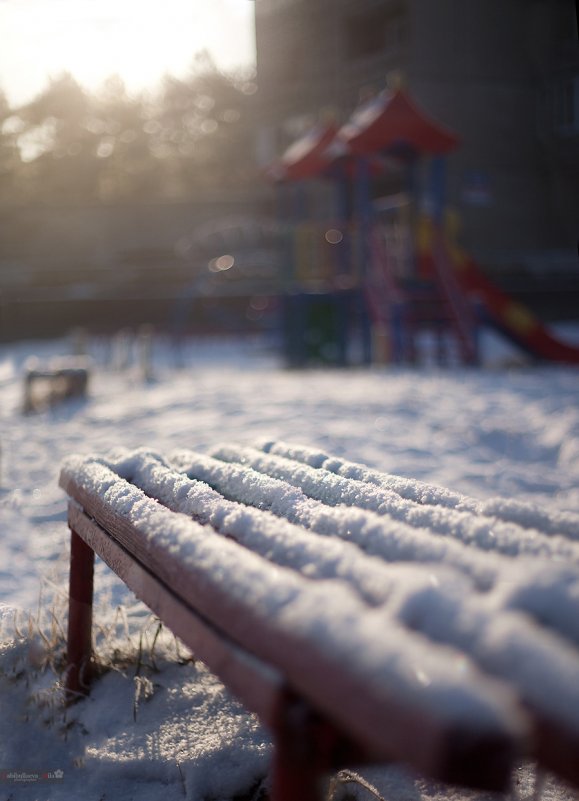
[{"x": 139, "y": 40}]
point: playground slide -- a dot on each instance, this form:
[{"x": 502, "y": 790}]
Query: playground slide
[{"x": 510, "y": 318}]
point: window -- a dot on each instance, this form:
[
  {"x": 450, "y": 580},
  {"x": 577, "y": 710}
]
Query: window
[
  {"x": 373, "y": 31},
  {"x": 567, "y": 106},
  {"x": 559, "y": 112}
]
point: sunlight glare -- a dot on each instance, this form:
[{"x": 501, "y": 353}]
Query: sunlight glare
[{"x": 139, "y": 41}]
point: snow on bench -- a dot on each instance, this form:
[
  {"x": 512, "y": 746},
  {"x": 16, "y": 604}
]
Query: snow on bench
[
  {"x": 59, "y": 380},
  {"x": 371, "y": 616}
]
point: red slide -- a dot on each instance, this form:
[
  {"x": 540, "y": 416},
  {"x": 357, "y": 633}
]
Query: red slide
[{"x": 512, "y": 319}]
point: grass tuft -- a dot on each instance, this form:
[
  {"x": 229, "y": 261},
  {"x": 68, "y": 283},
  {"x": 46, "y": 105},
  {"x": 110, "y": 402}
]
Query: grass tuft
[
  {"x": 33, "y": 650},
  {"x": 342, "y": 779}
]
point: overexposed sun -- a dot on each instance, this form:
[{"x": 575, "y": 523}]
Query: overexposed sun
[{"x": 139, "y": 40}]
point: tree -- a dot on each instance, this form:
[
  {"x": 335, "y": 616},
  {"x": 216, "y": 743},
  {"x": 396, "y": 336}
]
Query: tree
[
  {"x": 205, "y": 126},
  {"x": 9, "y": 153},
  {"x": 55, "y": 145},
  {"x": 192, "y": 135}
]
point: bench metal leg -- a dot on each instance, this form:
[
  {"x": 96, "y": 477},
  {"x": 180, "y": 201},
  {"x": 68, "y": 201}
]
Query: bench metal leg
[
  {"x": 303, "y": 748},
  {"x": 79, "y": 615}
]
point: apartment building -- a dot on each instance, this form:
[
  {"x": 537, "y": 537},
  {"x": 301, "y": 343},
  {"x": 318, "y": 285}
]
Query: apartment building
[{"x": 502, "y": 74}]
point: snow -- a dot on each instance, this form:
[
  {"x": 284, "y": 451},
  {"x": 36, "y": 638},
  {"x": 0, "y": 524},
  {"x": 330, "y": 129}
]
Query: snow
[
  {"x": 491, "y": 534},
  {"x": 266, "y": 607},
  {"x": 439, "y": 605},
  {"x": 504, "y": 443},
  {"x": 525, "y": 514}
]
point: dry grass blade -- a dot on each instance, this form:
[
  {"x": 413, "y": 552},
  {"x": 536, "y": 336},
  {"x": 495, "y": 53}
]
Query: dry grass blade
[{"x": 344, "y": 777}]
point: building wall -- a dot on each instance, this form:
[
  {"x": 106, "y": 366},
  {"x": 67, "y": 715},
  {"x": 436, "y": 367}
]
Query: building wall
[
  {"x": 470, "y": 67},
  {"x": 504, "y": 74},
  {"x": 307, "y": 60}
]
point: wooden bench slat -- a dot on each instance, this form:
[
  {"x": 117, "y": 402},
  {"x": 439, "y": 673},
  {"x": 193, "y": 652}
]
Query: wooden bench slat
[
  {"x": 255, "y": 683},
  {"x": 235, "y": 584},
  {"x": 381, "y": 537},
  {"x": 353, "y": 698},
  {"x": 508, "y": 510},
  {"x": 332, "y": 489},
  {"x": 253, "y": 529},
  {"x": 555, "y": 581}
]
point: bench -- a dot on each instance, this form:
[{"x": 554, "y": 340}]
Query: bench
[
  {"x": 362, "y": 617},
  {"x": 59, "y": 380}
]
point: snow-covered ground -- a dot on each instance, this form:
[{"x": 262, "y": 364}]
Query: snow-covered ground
[{"x": 163, "y": 724}]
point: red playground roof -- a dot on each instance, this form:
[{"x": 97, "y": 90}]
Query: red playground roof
[
  {"x": 307, "y": 157},
  {"x": 392, "y": 122},
  {"x": 388, "y": 125}
]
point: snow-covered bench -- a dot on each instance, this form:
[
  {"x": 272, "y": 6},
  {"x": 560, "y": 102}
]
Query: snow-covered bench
[
  {"x": 361, "y": 616},
  {"x": 59, "y": 380}
]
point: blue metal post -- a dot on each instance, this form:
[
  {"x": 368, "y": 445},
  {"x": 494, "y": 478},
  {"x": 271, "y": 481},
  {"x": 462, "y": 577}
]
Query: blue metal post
[
  {"x": 363, "y": 207},
  {"x": 363, "y": 213},
  {"x": 438, "y": 187}
]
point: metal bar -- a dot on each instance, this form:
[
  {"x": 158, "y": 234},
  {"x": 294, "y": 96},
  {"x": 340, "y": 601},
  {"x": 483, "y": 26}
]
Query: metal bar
[
  {"x": 182, "y": 594},
  {"x": 253, "y": 682},
  {"x": 79, "y": 648},
  {"x": 296, "y": 769}
]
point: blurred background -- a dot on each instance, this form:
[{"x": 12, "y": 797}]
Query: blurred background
[{"x": 154, "y": 163}]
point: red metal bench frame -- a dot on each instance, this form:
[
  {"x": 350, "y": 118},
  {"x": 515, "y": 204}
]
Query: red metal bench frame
[{"x": 307, "y": 744}]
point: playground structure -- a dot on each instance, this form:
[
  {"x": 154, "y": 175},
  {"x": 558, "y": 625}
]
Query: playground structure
[{"x": 365, "y": 283}]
